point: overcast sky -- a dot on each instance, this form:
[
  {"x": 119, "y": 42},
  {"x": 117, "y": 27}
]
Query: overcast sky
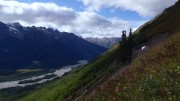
[{"x": 88, "y": 18}]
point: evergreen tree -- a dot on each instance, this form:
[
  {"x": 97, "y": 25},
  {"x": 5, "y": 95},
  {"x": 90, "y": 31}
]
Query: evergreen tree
[
  {"x": 130, "y": 46},
  {"x": 123, "y": 36},
  {"x": 126, "y": 47},
  {"x": 123, "y": 47},
  {"x": 130, "y": 33}
]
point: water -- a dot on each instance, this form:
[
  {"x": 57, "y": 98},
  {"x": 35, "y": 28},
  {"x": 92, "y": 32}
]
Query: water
[{"x": 58, "y": 73}]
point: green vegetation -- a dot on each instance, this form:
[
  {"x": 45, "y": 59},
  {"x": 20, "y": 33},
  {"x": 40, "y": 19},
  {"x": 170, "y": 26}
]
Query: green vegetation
[
  {"x": 153, "y": 76},
  {"x": 126, "y": 48}
]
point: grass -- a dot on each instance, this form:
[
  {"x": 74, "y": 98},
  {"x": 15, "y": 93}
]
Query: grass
[{"x": 153, "y": 76}]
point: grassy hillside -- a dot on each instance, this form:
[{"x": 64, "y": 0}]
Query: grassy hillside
[{"x": 152, "y": 74}]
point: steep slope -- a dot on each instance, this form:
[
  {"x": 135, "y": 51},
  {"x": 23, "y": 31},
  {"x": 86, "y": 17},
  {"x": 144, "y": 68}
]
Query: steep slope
[
  {"x": 160, "y": 27},
  {"x": 105, "y": 42},
  {"x": 22, "y": 46},
  {"x": 151, "y": 76}
]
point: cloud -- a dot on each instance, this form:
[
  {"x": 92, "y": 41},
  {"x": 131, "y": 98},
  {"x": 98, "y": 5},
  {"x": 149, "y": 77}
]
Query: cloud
[
  {"x": 35, "y": 12},
  {"x": 86, "y": 23},
  {"x": 97, "y": 25},
  {"x": 142, "y": 7}
]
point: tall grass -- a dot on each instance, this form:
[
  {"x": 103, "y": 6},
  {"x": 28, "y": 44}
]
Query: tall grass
[{"x": 154, "y": 76}]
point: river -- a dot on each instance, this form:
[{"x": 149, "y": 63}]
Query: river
[{"x": 58, "y": 73}]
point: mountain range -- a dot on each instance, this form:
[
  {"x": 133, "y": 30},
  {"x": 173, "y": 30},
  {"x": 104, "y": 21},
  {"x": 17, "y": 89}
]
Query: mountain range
[
  {"x": 23, "y": 47},
  {"x": 104, "y": 42}
]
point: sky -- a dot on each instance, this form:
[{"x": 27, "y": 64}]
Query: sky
[{"x": 86, "y": 18}]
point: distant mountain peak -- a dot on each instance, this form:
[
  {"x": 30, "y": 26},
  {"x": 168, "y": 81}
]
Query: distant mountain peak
[
  {"x": 105, "y": 42},
  {"x": 16, "y": 24}
]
